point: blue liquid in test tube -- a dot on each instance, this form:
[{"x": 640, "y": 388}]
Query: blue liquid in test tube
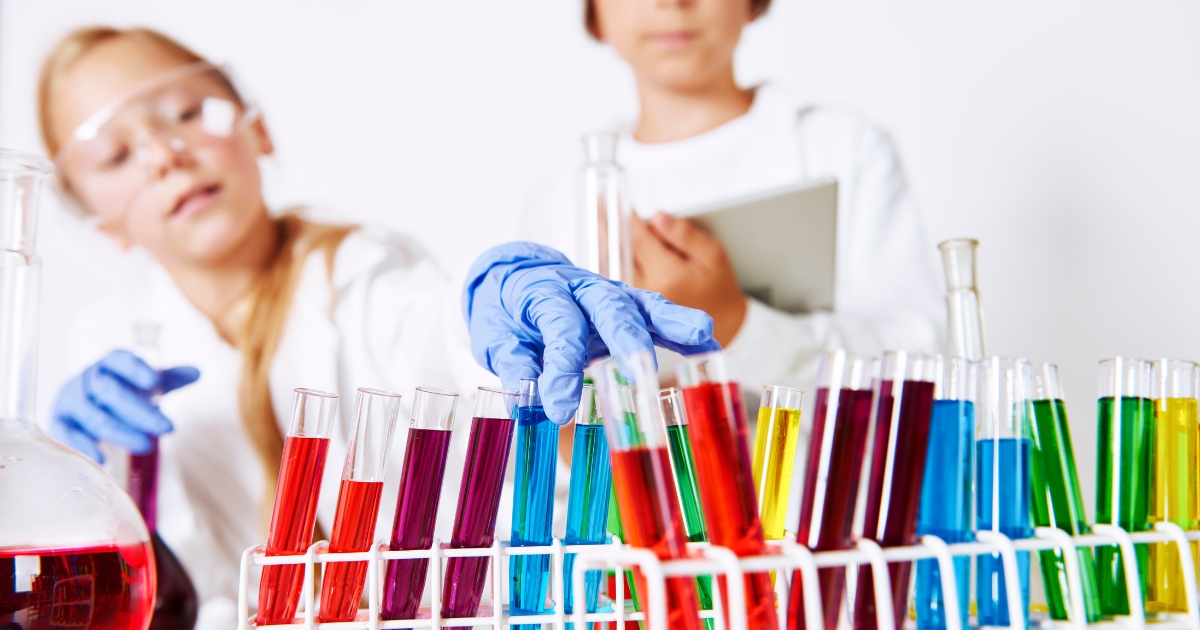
[
  {"x": 533, "y": 503},
  {"x": 946, "y": 507},
  {"x": 1009, "y": 477},
  {"x": 587, "y": 505}
]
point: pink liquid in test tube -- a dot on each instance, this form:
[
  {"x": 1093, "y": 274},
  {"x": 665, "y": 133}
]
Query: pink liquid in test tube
[
  {"x": 296, "y": 495},
  {"x": 358, "y": 502},
  {"x": 417, "y": 503}
]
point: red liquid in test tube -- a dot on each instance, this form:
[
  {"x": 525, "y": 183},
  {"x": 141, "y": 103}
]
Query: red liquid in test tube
[
  {"x": 832, "y": 471},
  {"x": 358, "y": 502},
  {"x": 894, "y": 471},
  {"x": 717, "y": 420},
  {"x": 643, "y": 480},
  {"x": 295, "y": 512}
]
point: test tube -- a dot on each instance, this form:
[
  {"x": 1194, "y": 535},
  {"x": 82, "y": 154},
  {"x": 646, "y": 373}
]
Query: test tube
[
  {"x": 946, "y": 508},
  {"x": 679, "y": 447},
  {"x": 718, "y": 432},
  {"x": 642, "y": 476},
  {"x": 605, "y": 212},
  {"x": 533, "y": 502},
  {"x": 479, "y": 499},
  {"x": 775, "y": 440},
  {"x": 1002, "y": 479},
  {"x": 295, "y": 512},
  {"x": 1173, "y": 498},
  {"x": 1057, "y": 501},
  {"x": 358, "y": 502},
  {"x": 841, "y": 412},
  {"x": 965, "y": 319},
  {"x": 893, "y": 471},
  {"x": 429, "y": 432},
  {"x": 617, "y": 529},
  {"x": 587, "y": 502},
  {"x": 1125, "y": 428}
]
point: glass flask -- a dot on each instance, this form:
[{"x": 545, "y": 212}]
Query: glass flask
[
  {"x": 175, "y": 602},
  {"x": 946, "y": 508},
  {"x": 1002, "y": 478},
  {"x": 604, "y": 240},
  {"x": 1125, "y": 437},
  {"x": 893, "y": 471},
  {"x": 641, "y": 470},
  {"x": 1056, "y": 499},
  {"x": 965, "y": 321},
  {"x": 74, "y": 551},
  {"x": 838, "y": 439}
]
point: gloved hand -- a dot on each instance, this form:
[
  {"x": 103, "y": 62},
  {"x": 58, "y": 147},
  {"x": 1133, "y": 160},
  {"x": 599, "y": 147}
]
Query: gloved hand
[
  {"x": 532, "y": 314},
  {"x": 110, "y": 401}
]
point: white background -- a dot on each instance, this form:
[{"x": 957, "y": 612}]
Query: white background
[{"x": 1065, "y": 135}]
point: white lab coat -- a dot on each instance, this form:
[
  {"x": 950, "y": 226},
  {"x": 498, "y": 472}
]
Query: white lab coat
[
  {"x": 396, "y": 324},
  {"x": 888, "y": 293}
]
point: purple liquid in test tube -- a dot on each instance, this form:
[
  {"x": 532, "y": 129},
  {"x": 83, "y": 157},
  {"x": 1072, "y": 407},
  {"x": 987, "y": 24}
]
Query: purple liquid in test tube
[
  {"x": 479, "y": 499},
  {"x": 417, "y": 505}
]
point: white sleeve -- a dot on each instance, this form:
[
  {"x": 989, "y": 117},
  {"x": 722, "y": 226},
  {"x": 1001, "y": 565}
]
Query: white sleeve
[{"x": 887, "y": 294}]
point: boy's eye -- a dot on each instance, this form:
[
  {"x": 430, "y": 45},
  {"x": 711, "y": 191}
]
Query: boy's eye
[{"x": 115, "y": 159}]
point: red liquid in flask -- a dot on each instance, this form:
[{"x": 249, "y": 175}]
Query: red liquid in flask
[
  {"x": 717, "y": 424},
  {"x": 291, "y": 526},
  {"x": 353, "y": 530},
  {"x": 98, "y": 588},
  {"x": 475, "y": 520},
  {"x": 844, "y": 458},
  {"x": 901, "y": 487},
  {"x": 651, "y": 518},
  {"x": 416, "y": 513}
]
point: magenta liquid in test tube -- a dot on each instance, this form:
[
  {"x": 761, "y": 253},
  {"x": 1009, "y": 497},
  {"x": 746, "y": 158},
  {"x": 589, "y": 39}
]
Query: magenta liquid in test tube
[
  {"x": 893, "y": 473},
  {"x": 479, "y": 499},
  {"x": 295, "y": 513},
  {"x": 835, "y": 455},
  {"x": 417, "y": 504},
  {"x": 358, "y": 502}
]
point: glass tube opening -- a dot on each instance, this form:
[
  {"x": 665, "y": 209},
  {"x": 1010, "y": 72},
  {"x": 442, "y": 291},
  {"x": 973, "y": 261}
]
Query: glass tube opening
[
  {"x": 313, "y": 412},
  {"x": 371, "y": 435},
  {"x": 433, "y": 409},
  {"x": 495, "y": 403}
]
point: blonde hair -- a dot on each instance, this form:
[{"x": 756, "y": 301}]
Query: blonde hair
[{"x": 271, "y": 296}]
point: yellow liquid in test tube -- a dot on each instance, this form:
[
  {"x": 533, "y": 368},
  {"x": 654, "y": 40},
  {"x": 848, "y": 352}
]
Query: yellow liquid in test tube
[
  {"x": 1173, "y": 497},
  {"x": 774, "y": 456}
]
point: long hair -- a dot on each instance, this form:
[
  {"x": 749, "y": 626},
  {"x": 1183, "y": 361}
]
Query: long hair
[{"x": 271, "y": 296}]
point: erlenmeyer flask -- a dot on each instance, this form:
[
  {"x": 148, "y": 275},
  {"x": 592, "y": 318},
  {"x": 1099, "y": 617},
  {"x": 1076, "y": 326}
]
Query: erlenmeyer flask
[
  {"x": 965, "y": 321},
  {"x": 604, "y": 240},
  {"x": 73, "y": 549}
]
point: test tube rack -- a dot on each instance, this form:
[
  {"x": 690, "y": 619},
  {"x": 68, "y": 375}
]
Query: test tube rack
[{"x": 786, "y": 557}]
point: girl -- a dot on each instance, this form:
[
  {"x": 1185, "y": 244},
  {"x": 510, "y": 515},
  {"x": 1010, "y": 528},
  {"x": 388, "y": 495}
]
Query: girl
[
  {"x": 702, "y": 138},
  {"x": 157, "y": 146}
]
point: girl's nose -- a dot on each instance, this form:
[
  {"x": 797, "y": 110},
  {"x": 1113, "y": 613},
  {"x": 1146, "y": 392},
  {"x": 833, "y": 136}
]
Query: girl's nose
[{"x": 159, "y": 152}]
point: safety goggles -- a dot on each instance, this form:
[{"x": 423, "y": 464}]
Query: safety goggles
[{"x": 189, "y": 107}]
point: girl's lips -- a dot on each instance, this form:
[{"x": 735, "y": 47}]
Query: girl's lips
[
  {"x": 675, "y": 39},
  {"x": 195, "y": 201}
]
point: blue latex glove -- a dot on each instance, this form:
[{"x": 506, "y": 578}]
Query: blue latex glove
[
  {"x": 111, "y": 401},
  {"x": 532, "y": 314}
]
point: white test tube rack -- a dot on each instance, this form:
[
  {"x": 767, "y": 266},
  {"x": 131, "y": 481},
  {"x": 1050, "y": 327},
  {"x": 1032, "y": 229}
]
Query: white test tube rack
[{"x": 714, "y": 560}]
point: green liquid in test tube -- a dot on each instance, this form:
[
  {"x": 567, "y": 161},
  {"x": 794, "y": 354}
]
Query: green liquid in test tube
[
  {"x": 1056, "y": 500},
  {"x": 680, "y": 449},
  {"x": 1125, "y": 435}
]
